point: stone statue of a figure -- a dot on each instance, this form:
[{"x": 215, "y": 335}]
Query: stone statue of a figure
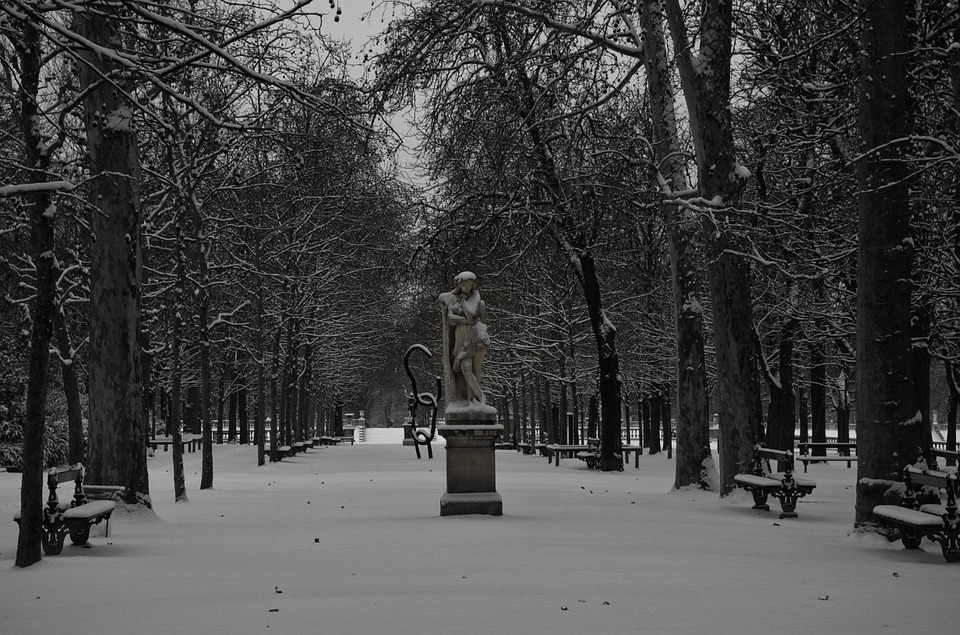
[{"x": 465, "y": 343}]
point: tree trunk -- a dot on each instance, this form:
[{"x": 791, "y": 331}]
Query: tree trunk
[
  {"x": 243, "y": 415},
  {"x": 781, "y": 416},
  {"x": 42, "y": 214},
  {"x": 693, "y": 434},
  {"x": 274, "y": 410},
  {"x": 232, "y": 407},
  {"x": 667, "y": 427},
  {"x": 920, "y": 363},
  {"x": 604, "y": 333},
  {"x": 222, "y": 397},
  {"x": 888, "y": 423},
  {"x": 191, "y": 414},
  {"x": 706, "y": 88},
  {"x": 643, "y": 428},
  {"x": 203, "y": 312},
  {"x": 526, "y": 430},
  {"x": 818, "y": 397},
  {"x": 593, "y": 417},
  {"x": 803, "y": 415},
  {"x": 71, "y": 388},
  {"x": 626, "y": 420},
  {"x": 117, "y": 450},
  {"x": 303, "y": 392},
  {"x": 653, "y": 405},
  {"x": 176, "y": 371}
]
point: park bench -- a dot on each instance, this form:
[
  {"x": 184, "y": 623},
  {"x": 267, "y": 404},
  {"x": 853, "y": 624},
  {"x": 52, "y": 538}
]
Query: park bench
[
  {"x": 591, "y": 455},
  {"x": 761, "y": 482},
  {"x": 637, "y": 451},
  {"x": 78, "y": 515},
  {"x": 283, "y": 451},
  {"x": 951, "y": 456},
  {"x": 922, "y": 514},
  {"x": 187, "y": 444},
  {"x": 555, "y": 450},
  {"x": 843, "y": 453},
  {"x": 525, "y": 447}
]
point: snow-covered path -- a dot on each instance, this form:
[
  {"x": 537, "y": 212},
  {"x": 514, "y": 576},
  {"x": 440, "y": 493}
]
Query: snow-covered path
[{"x": 349, "y": 540}]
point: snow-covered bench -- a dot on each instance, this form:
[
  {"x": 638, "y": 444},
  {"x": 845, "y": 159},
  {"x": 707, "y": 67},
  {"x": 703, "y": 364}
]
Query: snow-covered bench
[
  {"x": 637, "y": 451},
  {"x": 843, "y": 453},
  {"x": 761, "y": 483},
  {"x": 555, "y": 450},
  {"x": 282, "y": 451},
  {"x": 934, "y": 520},
  {"x": 79, "y": 514},
  {"x": 591, "y": 456}
]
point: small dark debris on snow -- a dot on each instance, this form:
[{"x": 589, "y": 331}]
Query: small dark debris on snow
[{"x": 277, "y": 589}]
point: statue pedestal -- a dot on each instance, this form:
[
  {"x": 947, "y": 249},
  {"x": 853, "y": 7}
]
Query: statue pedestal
[
  {"x": 471, "y": 467},
  {"x": 408, "y": 434}
]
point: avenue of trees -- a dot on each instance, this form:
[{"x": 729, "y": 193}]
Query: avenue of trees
[
  {"x": 795, "y": 163},
  {"x": 746, "y": 210}
]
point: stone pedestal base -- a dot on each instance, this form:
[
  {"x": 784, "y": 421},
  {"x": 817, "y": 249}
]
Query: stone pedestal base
[
  {"x": 408, "y": 434},
  {"x": 471, "y": 469}
]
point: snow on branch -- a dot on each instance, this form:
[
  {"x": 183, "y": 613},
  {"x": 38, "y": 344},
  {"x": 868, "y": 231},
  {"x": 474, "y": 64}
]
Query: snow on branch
[
  {"x": 605, "y": 40},
  {"x": 34, "y": 188}
]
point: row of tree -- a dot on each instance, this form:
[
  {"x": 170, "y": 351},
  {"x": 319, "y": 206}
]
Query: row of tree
[
  {"x": 195, "y": 192},
  {"x": 197, "y": 197},
  {"x": 606, "y": 143}
]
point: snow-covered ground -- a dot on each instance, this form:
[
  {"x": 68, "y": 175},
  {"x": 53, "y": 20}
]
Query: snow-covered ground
[{"x": 349, "y": 539}]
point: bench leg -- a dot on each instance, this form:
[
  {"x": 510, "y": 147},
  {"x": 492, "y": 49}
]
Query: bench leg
[
  {"x": 788, "y": 502},
  {"x": 760, "y": 499},
  {"x": 910, "y": 539},
  {"x": 949, "y": 539},
  {"x": 53, "y": 536},
  {"x": 80, "y": 535}
]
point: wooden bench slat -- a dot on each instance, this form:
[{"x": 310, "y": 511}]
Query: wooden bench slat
[
  {"x": 90, "y": 510},
  {"x": 907, "y": 516}
]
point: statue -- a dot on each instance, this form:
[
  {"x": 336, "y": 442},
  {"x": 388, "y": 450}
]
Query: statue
[{"x": 465, "y": 343}]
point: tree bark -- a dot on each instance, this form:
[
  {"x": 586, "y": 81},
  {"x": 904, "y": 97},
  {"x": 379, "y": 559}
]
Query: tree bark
[
  {"x": 71, "y": 388},
  {"x": 42, "y": 214},
  {"x": 888, "y": 423},
  {"x": 604, "y": 333},
  {"x": 261, "y": 414},
  {"x": 174, "y": 426},
  {"x": 117, "y": 450},
  {"x": 693, "y": 417},
  {"x": 706, "y": 88}
]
